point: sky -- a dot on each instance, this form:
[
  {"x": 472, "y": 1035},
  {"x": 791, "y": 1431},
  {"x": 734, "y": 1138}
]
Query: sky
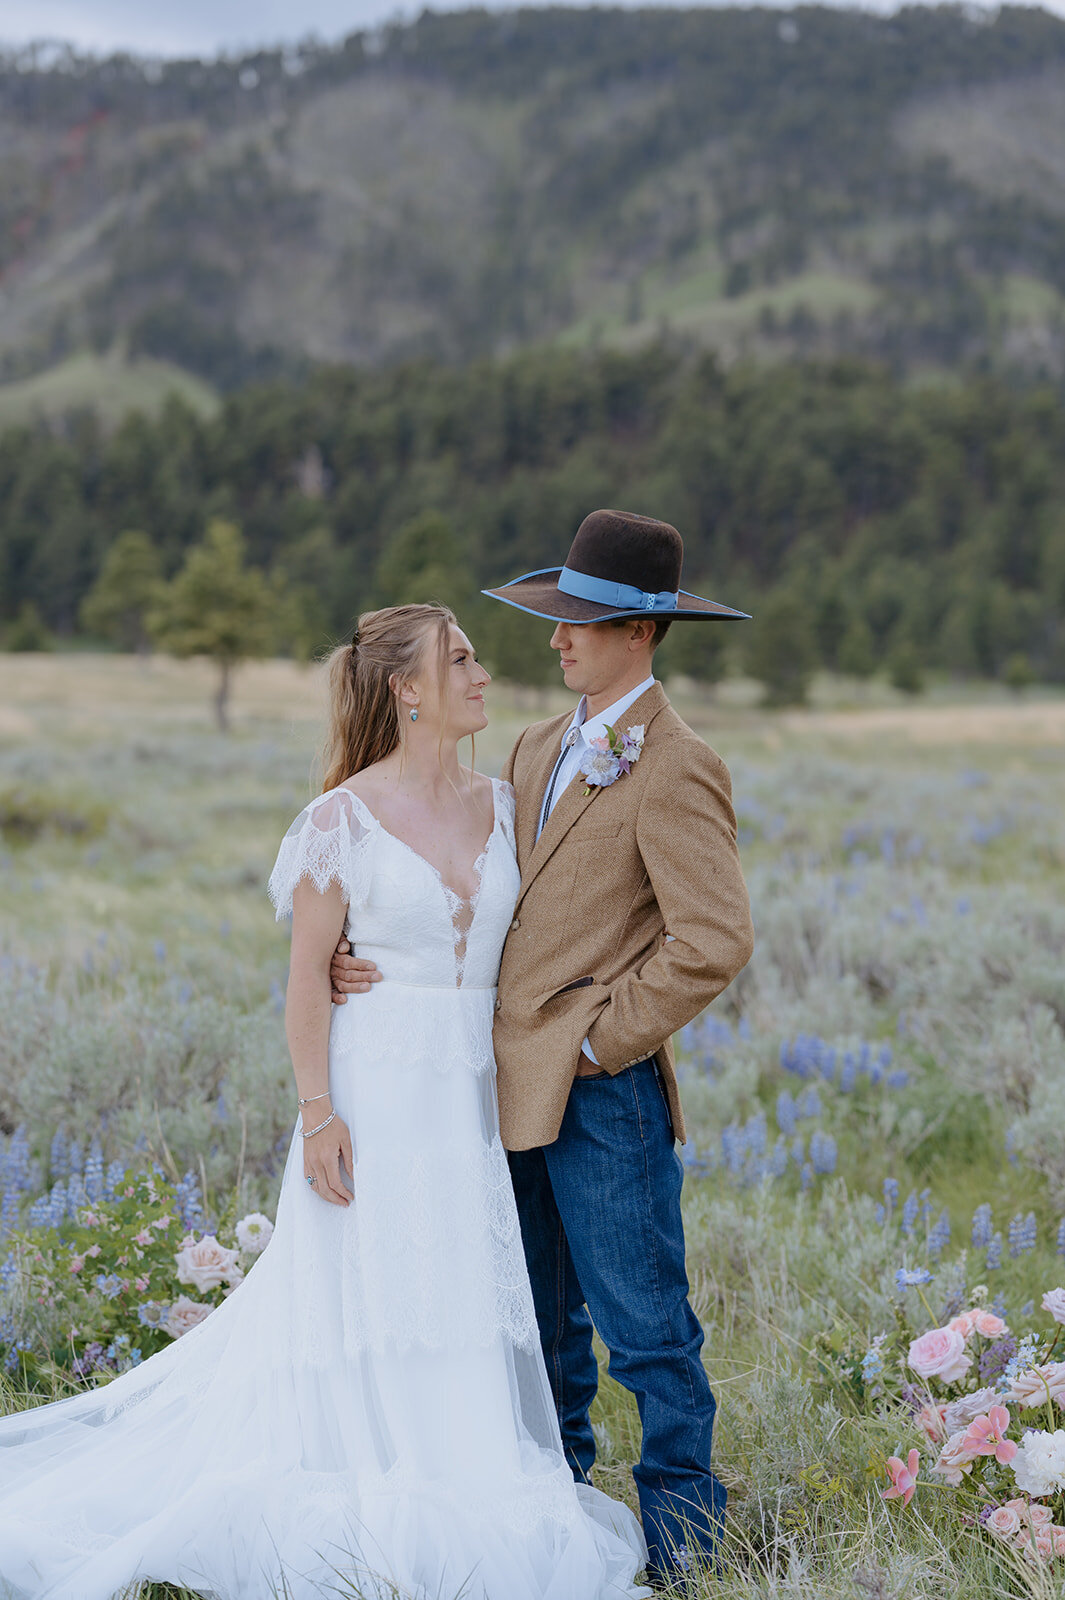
[{"x": 206, "y": 27}]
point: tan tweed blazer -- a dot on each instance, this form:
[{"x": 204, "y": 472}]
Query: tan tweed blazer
[{"x": 611, "y": 875}]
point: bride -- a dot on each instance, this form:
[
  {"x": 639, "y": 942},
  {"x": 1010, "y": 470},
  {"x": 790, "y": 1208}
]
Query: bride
[{"x": 368, "y": 1414}]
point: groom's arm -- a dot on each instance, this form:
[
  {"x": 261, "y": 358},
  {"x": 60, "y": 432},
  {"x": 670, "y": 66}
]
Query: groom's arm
[{"x": 686, "y": 834}]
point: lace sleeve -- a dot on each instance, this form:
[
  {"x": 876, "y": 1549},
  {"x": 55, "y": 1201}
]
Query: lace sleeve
[
  {"x": 329, "y": 842},
  {"x": 505, "y": 801}
]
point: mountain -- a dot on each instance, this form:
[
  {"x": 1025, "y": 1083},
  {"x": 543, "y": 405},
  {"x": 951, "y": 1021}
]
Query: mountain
[{"x": 814, "y": 181}]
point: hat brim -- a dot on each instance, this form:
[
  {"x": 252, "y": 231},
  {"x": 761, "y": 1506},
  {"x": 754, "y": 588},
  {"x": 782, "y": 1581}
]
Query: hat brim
[{"x": 538, "y": 594}]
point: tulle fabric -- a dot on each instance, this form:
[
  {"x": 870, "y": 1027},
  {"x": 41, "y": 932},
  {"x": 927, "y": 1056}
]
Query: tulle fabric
[{"x": 368, "y": 1414}]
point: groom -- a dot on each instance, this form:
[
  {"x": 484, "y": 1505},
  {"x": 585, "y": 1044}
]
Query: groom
[{"x": 632, "y": 916}]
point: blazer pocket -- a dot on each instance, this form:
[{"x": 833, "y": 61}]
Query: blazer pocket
[{"x": 567, "y": 988}]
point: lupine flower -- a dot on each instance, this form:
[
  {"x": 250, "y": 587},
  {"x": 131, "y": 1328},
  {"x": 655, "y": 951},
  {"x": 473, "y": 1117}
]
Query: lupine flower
[
  {"x": 891, "y": 1193},
  {"x": 1022, "y": 1235},
  {"x": 823, "y": 1152},
  {"x": 981, "y": 1229},
  {"x": 939, "y": 1237},
  {"x": 994, "y": 1253},
  {"x": 996, "y": 1358},
  {"x": 903, "y": 1477},
  {"x": 1059, "y": 1248},
  {"x": 910, "y": 1212}
]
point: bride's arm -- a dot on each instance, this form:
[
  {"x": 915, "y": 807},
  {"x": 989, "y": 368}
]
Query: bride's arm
[{"x": 317, "y": 922}]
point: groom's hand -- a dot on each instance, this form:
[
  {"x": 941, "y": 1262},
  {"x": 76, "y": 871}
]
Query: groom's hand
[{"x": 349, "y": 974}]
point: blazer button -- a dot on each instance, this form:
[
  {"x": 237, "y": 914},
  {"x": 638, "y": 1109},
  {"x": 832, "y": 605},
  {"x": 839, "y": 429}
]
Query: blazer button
[
  {"x": 499, "y": 1005},
  {"x": 515, "y": 924}
]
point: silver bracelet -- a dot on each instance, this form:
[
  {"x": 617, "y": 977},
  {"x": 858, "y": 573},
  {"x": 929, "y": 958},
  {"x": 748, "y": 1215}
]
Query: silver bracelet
[
  {"x": 330, "y": 1118},
  {"x": 306, "y": 1101}
]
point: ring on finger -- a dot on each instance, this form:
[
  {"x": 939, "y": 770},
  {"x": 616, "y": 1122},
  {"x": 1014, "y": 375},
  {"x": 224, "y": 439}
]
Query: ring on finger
[{"x": 312, "y": 1180}]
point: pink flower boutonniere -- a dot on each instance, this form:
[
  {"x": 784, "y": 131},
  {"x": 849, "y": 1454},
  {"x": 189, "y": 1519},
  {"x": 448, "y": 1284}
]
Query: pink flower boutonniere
[{"x": 609, "y": 758}]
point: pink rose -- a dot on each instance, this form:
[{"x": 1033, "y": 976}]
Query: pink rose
[
  {"x": 76, "y": 1263},
  {"x": 940, "y": 1353},
  {"x": 1054, "y": 1302},
  {"x": 1038, "y": 1386},
  {"x": 1004, "y": 1522},
  {"x": 207, "y": 1264},
  {"x": 140, "y": 1285},
  {"x": 1058, "y": 1536},
  {"x": 955, "y": 1459},
  {"x": 142, "y": 1238},
  {"x": 185, "y": 1314},
  {"x": 93, "y": 1250}
]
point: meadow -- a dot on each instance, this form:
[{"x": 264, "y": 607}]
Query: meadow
[{"x": 876, "y": 1106}]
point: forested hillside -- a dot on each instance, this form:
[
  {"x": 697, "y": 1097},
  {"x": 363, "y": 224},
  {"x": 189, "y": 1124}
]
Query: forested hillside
[
  {"x": 809, "y": 182},
  {"x": 860, "y": 518}
]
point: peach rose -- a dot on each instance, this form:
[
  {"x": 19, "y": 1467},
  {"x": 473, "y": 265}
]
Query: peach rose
[
  {"x": 955, "y": 1459},
  {"x": 1004, "y": 1522},
  {"x": 985, "y": 1323},
  {"x": 932, "y": 1421},
  {"x": 185, "y": 1314},
  {"x": 940, "y": 1353},
  {"x": 207, "y": 1264}
]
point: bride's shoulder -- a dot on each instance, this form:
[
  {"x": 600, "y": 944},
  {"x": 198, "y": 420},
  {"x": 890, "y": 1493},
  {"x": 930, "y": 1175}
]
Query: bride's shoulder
[
  {"x": 503, "y": 800},
  {"x": 339, "y": 807}
]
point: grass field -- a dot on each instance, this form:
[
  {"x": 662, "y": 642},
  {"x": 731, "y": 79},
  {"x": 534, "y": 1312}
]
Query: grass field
[{"x": 907, "y": 868}]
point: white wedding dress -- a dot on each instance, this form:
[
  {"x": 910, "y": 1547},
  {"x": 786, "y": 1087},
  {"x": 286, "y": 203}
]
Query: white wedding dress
[{"x": 368, "y": 1414}]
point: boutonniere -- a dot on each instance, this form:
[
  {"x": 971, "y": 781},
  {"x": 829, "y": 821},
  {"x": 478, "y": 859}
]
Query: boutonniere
[{"x": 608, "y": 758}]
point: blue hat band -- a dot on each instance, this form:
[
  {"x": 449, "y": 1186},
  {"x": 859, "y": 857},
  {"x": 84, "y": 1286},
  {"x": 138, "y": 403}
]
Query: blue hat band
[{"x": 622, "y": 595}]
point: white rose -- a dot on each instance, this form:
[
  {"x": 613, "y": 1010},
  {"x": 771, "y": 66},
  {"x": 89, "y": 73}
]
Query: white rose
[
  {"x": 207, "y": 1264},
  {"x": 959, "y": 1413},
  {"x": 1037, "y": 1386},
  {"x": 1039, "y": 1465},
  {"x": 254, "y": 1233},
  {"x": 1054, "y": 1302},
  {"x": 185, "y": 1314}
]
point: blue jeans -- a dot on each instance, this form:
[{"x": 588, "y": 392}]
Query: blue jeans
[{"x": 601, "y": 1225}]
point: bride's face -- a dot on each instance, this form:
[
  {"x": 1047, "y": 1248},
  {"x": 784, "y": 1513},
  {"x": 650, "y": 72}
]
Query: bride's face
[{"x": 461, "y": 694}]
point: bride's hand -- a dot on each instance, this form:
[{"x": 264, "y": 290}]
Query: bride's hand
[{"x": 323, "y": 1156}]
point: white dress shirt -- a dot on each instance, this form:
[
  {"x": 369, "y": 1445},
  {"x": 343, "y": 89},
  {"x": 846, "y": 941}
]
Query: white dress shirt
[{"x": 576, "y": 741}]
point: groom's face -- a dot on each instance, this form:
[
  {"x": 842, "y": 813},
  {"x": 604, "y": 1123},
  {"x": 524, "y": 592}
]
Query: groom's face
[{"x": 593, "y": 655}]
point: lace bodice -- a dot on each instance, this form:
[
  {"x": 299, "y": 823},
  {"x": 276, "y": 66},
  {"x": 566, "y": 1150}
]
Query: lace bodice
[{"x": 401, "y": 914}]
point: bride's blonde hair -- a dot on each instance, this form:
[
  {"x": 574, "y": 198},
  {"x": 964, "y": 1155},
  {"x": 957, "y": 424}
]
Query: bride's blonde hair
[{"x": 363, "y": 715}]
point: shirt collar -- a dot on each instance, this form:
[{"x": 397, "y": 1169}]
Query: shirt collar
[{"x": 595, "y": 727}]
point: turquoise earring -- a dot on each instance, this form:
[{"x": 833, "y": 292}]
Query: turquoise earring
[{"x": 414, "y": 715}]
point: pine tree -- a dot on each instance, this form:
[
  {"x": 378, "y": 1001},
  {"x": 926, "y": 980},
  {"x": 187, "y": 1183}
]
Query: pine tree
[
  {"x": 216, "y": 607},
  {"x": 128, "y": 587}
]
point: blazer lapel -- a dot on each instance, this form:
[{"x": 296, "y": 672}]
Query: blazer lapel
[{"x": 573, "y": 800}]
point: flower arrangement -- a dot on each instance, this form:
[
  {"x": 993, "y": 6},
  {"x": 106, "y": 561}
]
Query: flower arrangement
[
  {"x": 94, "y": 1293},
  {"x": 611, "y": 757},
  {"x": 989, "y": 1411}
]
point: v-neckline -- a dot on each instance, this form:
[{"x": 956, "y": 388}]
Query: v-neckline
[{"x": 479, "y": 863}]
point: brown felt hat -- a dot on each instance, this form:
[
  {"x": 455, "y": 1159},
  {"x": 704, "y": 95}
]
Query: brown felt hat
[{"x": 619, "y": 565}]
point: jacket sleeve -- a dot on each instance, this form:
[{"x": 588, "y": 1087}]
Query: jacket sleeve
[
  {"x": 507, "y": 773},
  {"x": 686, "y": 834}
]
